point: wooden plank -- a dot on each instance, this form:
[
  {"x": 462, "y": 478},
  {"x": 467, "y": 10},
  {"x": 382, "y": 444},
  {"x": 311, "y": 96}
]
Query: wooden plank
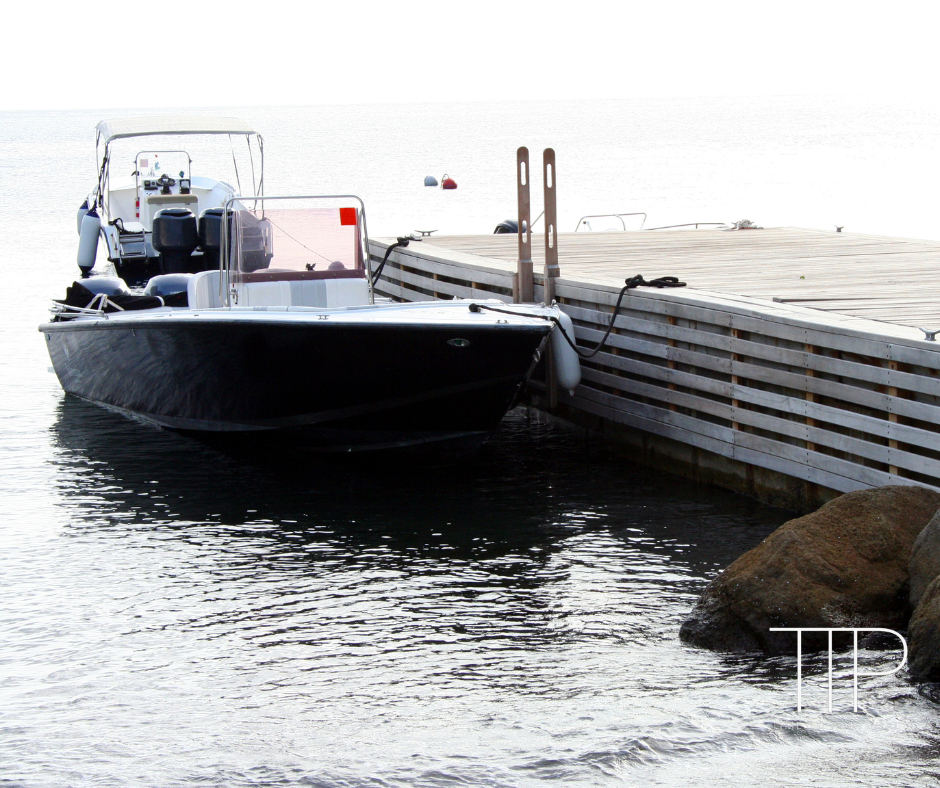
[
  {"x": 792, "y": 380},
  {"x": 499, "y": 279},
  {"x": 877, "y": 452},
  {"x": 606, "y": 406},
  {"x": 881, "y": 428},
  {"x": 801, "y": 463},
  {"x": 842, "y": 342}
]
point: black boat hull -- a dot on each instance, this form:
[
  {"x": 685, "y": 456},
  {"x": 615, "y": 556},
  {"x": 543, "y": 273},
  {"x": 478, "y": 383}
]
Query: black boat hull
[{"x": 321, "y": 384}]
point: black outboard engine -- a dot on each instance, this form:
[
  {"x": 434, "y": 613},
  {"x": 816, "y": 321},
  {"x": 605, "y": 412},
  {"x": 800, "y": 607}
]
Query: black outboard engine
[
  {"x": 170, "y": 287},
  {"x": 210, "y": 237},
  {"x": 109, "y": 285},
  {"x": 506, "y": 227},
  {"x": 175, "y": 238}
]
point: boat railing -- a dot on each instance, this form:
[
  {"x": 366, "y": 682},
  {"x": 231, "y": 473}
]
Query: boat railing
[
  {"x": 94, "y": 308},
  {"x": 693, "y": 225},
  {"x": 583, "y": 221}
]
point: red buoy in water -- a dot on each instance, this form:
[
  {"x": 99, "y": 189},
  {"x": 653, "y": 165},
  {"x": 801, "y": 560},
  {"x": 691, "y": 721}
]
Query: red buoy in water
[{"x": 447, "y": 182}]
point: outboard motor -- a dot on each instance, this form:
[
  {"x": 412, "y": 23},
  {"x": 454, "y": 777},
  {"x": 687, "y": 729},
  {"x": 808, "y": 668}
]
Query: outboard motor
[
  {"x": 172, "y": 288},
  {"x": 210, "y": 237},
  {"x": 506, "y": 227},
  {"x": 175, "y": 238},
  {"x": 109, "y": 285}
]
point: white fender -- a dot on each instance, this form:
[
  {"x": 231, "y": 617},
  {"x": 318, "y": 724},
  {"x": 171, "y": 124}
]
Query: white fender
[
  {"x": 81, "y": 215},
  {"x": 567, "y": 363},
  {"x": 88, "y": 240}
]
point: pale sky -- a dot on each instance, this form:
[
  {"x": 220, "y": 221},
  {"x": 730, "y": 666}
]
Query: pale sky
[{"x": 135, "y": 55}]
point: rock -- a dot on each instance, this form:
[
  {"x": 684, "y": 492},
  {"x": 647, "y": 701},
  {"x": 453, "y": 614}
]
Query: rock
[
  {"x": 845, "y": 565},
  {"x": 925, "y": 560},
  {"x": 923, "y": 635}
]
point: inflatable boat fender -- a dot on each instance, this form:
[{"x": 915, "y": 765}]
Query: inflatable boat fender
[
  {"x": 88, "y": 241},
  {"x": 567, "y": 364},
  {"x": 81, "y": 215}
]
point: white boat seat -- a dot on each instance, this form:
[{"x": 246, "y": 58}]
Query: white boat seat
[
  {"x": 323, "y": 293},
  {"x": 202, "y": 290},
  {"x": 172, "y": 199}
]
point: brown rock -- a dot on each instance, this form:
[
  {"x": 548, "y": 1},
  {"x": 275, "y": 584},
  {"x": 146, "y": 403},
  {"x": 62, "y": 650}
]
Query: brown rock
[
  {"x": 845, "y": 565},
  {"x": 925, "y": 560},
  {"x": 923, "y": 635}
]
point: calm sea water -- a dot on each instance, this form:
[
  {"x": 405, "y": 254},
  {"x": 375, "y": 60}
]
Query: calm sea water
[{"x": 172, "y": 615}]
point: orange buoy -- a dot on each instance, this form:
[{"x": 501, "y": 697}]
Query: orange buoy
[{"x": 447, "y": 182}]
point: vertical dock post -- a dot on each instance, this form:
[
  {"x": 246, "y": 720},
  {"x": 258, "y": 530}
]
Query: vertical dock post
[
  {"x": 551, "y": 221},
  {"x": 551, "y": 260},
  {"x": 523, "y": 290}
]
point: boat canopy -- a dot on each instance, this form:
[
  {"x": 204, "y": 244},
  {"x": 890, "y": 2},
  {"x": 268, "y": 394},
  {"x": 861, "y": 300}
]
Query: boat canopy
[{"x": 169, "y": 124}]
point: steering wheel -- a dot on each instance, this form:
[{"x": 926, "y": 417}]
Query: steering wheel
[{"x": 165, "y": 182}]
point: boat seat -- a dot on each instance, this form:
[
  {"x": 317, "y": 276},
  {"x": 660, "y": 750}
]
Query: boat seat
[
  {"x": 202, "y": 291},
  {"x": 323, "y": 293}
]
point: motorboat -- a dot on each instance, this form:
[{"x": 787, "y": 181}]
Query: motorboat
[
  {"x": 124, "y": 212},
  {"x": 280, "y": 336}
]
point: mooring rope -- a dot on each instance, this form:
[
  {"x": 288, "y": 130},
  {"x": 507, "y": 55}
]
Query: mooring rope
[{"x": 632, "y": 282}]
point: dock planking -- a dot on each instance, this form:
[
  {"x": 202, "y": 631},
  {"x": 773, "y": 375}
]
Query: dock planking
[
  {"x": 879, "y": 278},
  {"x": 790, "y": 368}
]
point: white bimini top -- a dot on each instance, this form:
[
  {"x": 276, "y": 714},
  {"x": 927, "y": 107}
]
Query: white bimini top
[{"x": 169, "y": 124}]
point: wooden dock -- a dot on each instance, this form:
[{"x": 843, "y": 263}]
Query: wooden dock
[{"x": 791, "y": 367}]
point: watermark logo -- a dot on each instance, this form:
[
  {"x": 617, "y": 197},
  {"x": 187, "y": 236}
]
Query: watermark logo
[{"x": 855, "y": 671}]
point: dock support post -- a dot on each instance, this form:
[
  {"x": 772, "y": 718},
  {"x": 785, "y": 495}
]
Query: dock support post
[
  {"x": 551, "y": 221},
  {"x": 893, "y": 418},
  {"x": 551, "y": 259},
  {"x": 523, "y": 287}
]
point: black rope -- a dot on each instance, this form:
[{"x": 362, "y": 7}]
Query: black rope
[
  {"x": 635, "y": 281},
  {"x": 400, "y": 242}
]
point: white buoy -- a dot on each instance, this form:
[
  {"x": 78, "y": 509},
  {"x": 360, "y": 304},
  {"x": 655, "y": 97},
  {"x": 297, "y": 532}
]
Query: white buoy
[
  {"x": 88, "y": 241},
  {"x": 567, "y": 363},
  {"x": 81, "y": 215}
]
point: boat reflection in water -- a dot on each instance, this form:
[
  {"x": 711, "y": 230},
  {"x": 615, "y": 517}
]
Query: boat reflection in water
[{"x": 531, "y": 488}]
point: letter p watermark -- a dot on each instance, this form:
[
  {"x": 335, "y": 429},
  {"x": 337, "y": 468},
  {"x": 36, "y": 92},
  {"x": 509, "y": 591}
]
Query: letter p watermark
[{"x": 855, "y": 671}]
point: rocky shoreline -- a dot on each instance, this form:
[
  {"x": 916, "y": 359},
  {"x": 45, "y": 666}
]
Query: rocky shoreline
[{"x": 869, "y": 558}]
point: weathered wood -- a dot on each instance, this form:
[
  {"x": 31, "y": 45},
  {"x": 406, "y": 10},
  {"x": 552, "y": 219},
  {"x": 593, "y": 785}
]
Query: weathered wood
[
  {"x": 551, "y": 224},
  {"x": 831, "y": 398},
  {"x": 524, "y": 282}
]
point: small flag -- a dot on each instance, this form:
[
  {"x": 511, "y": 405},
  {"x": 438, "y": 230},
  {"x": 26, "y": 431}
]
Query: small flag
[{"x": 347, "y": 216}]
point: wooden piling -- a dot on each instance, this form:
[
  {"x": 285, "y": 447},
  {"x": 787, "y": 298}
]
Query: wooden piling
[
  {"x": 523, "y": 289},
  {"x": 551, "y": 225}
]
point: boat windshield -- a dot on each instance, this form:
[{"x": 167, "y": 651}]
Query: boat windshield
[
  {"x": 170, "y": 164},
  {"x": 282, "y": 242}
]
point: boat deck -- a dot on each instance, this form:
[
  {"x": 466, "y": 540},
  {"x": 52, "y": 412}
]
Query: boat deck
[{"x": 895, "y": 280}]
